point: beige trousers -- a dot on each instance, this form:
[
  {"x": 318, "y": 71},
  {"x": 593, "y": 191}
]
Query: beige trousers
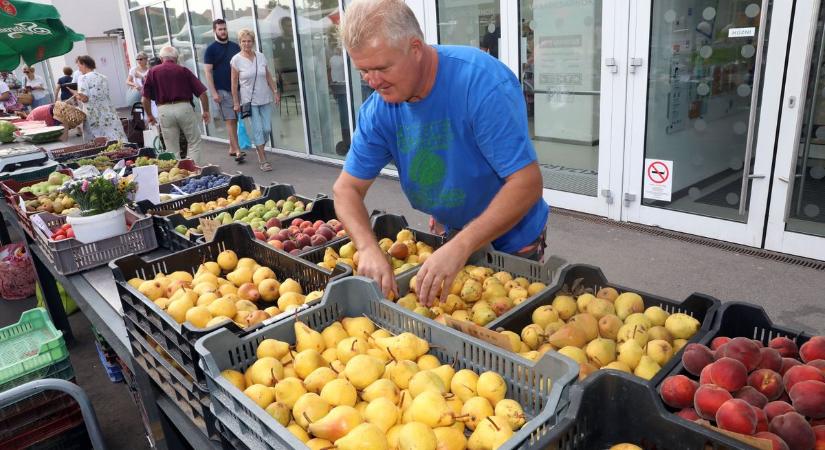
[{"x": 177, "y": 118}]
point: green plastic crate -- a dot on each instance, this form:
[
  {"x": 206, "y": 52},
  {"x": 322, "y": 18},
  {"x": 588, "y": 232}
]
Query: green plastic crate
[{"x": 30, "y": 345}]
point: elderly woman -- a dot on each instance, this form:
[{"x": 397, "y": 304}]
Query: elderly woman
[
  {"x": 252, "y": 85},
  {"x": 93, "y": 93},
  {"x": 135, "y": 79}
]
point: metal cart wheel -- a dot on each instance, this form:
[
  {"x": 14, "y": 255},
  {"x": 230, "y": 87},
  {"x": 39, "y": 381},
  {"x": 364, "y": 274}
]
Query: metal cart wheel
[{"x": 18, "y": 393}]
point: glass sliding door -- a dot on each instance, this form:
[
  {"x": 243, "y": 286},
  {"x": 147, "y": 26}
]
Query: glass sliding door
[
  {"x": 238, "y": 14},
  {"x": 200, "y": 18},
  {"x": 179, "y": 29},
  {"x": 140, "y": 30},
  {"x": 476, "y": 23},
  {"x": 320, "y": 65},
  {"x": 157, "y": 23},
  {"x": 278, "y": 45}
]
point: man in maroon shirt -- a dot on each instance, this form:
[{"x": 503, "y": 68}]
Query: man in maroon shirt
[{"x": 172, "y": 87}]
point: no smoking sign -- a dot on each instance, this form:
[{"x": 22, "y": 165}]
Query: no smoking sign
[{"x": 658, "y": 179}]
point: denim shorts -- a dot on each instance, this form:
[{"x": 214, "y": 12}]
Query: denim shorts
[
  {"x": 226, "y": 105},
  {"x": 259, "y": 124}
]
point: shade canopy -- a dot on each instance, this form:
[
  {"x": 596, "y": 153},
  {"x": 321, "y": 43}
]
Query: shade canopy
[{"x": 32, "y": 31}]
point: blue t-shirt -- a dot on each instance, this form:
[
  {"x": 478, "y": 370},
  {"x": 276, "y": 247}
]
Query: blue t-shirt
[
  {"x": 218, "y": 55},
  {"x": 64, "y": 91},
  {"x": 455, "y": 148}
]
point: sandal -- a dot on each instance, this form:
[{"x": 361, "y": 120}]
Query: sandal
[
  {"x": 239, "y": 157},
  {"x": 266, "y": 167}
]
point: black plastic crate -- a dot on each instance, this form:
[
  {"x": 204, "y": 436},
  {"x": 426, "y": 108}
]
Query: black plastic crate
[
  {"x": 76, "y": 438},
  {"x": 228, "y": 439},
  {"x": 246, "y": 184},
  {"x": 166, "y": 188},
  {"x": 52, "y": 423},
  {"x": 699, "y": 306},
  {"x": 180, "y": 388},
  {"x": 739, "y": 319},
  {"x": 612, "y": 407},
  {"x": 145, "y": 151},
  {"x": 171, "y": 239},
  {"x": 179, "y": 339},
  {"x": 384, "y": 225}
]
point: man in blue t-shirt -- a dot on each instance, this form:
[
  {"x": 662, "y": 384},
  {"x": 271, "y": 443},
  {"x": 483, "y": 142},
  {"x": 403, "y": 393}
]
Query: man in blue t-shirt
[
  {"x": 218, "y": 78},
  {"x": 453, "y": 120}
]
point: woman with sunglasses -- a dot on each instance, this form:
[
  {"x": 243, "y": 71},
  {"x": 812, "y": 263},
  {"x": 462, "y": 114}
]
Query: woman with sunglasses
[
  {"x": 136, "y": 76},
  {"x": 36, "y": 85}
]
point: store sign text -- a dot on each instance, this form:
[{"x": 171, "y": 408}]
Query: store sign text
[{"x": 24, "y": 28}]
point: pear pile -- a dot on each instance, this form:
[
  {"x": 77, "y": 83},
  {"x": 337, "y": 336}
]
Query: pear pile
[
  {"x": 477, "y": 295},
  {"x": 234, "y": 195},
  {"x": 228, "y": 289},
  {"x": 607, "y": 330},
  {"x": 404, "y": 253},
  {"x": 356, "y": 386}
]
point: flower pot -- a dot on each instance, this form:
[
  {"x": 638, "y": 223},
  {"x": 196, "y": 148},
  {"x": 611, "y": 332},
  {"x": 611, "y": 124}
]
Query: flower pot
[{"x": 95, "y": 228}]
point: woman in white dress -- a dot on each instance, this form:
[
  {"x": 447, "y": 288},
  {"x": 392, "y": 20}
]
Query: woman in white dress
[
  {"x": 136, "y": 77},
  {"x": 93, "y": 93},
  {"x": 36, "y": 85}
]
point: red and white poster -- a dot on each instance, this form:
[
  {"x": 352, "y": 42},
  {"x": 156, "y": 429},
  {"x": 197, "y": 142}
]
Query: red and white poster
[{"x": 658, "y": 177}]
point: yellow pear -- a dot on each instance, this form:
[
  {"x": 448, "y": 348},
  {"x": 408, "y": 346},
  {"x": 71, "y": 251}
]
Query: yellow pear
[
  {"x": 366, "y": 436},
  {"x": 568, "y": 335},
  {"x": 289, "y": 390},
  {"x": 383, "y": 413},
  {"x": 268, "y": 288},
  {"x": 637, "y": 333},
  {"x": 379, "y": 388},
  {"x": 349, "y": 347},
  {"x": 476, "y": 409},
  {"x": 544, "y": 315},
  {"x": 309, "y": 408},
  {"x": 609, "y": 326},
  {"x": 445, "y": 372},
  {"x": 198, "y": 316},
  {"x": 618, "y": 365},
  {"x": 234, "y": 377},
  {"x": 307, "y": 338},
  {"x": 431, "y": 409},
  {"x": 290, "y": 285},
  {"x": 600, "y": 307},
  {"x": 280, "y": 412},
  {"x": 319, "y": 444},
  {"x": 152, "y": 289},
  {"x": 260, "y": 394},
  {"x": 416, "y": 436},
  {"x": 628, "y": 303},
  {"x": 178, "y": 308},
  {"x": 659, "y": 333},
  {"x": 222, "y": 307},
  {"x": 490, "y": 434},
  {"x": 290, "y": 299},
  {"x": 136, "y": 282},
  {"x": 533, "y": 335},
  {"x": 404, "y": 346},
  {"x": 575, "y": 353},
  {"x": 272, "y": 348},
  {"x": 681, "y": 326},
  {"x": 647, "y": 368},
  {"x": 227, "y": 260},
  {"x": 449, "y": 438},
  {"x": 588, "y": 323},
  {"x": 400, "y": 372},
  {"x": 463, "y": 384},
  {"x": 426, "y": 380},
  {"x": 307, "y": 361},
  {"x": 678, "y": 344},
  {"x": 248, "y": 263},
  {"x": 656, "y": 315},
  {"x": 427, "y": 362},
  {"x": 512, "y": 411},
  {"x": 601, "y": 352},
  {"x": 630, "y": 353},
  {"x": 266, "y": 371},
  {"x": 339, "y": 392},
  {"x": 261, "y": 274},
  {"x": 334, "y": 334},
  {"x": 660, "y": 351},
  {"x": 583, "y": 300},
  {"x": 336, "y": 424},
  {"x": 491, "y": 386},
  {"x": 565, "y": 306},
  {"x": 358, "y": 326},
  {"x": 318, "y": 378},
  {"x": 362, "y": 370},
  {"x": 298, "y": 432},
  {"x": 240, "y": 276}
]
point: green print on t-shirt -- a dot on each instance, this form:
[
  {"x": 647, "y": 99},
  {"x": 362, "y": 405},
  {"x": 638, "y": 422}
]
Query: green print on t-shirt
[{"x": 427, "y": 169}]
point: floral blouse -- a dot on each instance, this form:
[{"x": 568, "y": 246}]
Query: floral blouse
[{"x": 101, "y": 116}]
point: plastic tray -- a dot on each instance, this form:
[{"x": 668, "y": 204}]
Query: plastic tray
[
  {"x": 30, "y": 173},
  {"x": 11, "y": 192},
  {"x": 62, "y": 370},
  {"x": 246, "y": 184},
  {"x": 40, "y": 407},
  {"x": 612, "y": 407},
  {"x": 699, "y": 306},
  {"x": 179, "y": 339},
  {"x": 90, "y": 148},
  {"x": 538, "y": 386},
  {"x": 45, "y": 428},
  {"x": 71, "y": 256},
  {"x": 191, "y": 398},
  {"x": 177, "y": 241},
  {"x": 30, "y": 345},
  {"x": 738, "y": 319},
  {"x": 229, "y": 441},
  {"x": 384, "y": 226},
  {"x": 166, "y": 188}
]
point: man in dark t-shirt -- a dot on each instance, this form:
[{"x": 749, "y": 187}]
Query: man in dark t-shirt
[
  {"x": 218, "y": 77},
  {"x": 62, "y": 89}
]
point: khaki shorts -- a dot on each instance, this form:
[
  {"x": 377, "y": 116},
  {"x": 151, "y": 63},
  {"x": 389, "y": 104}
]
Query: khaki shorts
[{"x": 226, "y": 106}]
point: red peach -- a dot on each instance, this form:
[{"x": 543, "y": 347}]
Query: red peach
[
  {"x": 276, "y": 243},
  {"x": 704, "y": 377},
  {"x": 718, "y": 342},
  {"x": 688, "y": 414},
  {"x": 813, "y": 349},
  {"x": 771, "y": 359},
  {"x": 758, "y": 343},
  {"x": 729, "y": 373},
  {"x": 794, "y": 430},
  {"x": 817, "y": 422},
  {"x": 761, "y": 420},
  {"x": 801, "y": 373},
  {"x": 808, "y": 398},
  {"x": 696, "y": 357},
  {"x": 819, "y": 364},
  {"x": 819, "y": 433},
  {"x": 678, "y": 391},
  {"x": 776, "y": 441},
  {"x": 768, "y": 382},
  {"x": 785, "y": 346},
  {"x": 787, "y": 363},
  {"x": 752, "y": 396},
  {"x": 742, "y": 349},
  {"x": 708, "y": 399},
  {"x": 736, "y": 415},
  {"x": 777, "y": 408}
]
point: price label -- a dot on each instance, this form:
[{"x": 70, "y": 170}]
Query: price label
[
  {"x": 485, "y": 334},
  {"x": 209, "y": 226},
  {"x": 37, "y": 221},
  {"x": 22, "y": 204}
]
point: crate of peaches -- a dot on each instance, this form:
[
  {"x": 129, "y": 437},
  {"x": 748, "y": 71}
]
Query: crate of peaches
[
  {"x": 753, "y": 379},
  {"x": 234, "y": 282},
  {"x": 358, "y": 372},
  {"x": 405, "y": 247}
]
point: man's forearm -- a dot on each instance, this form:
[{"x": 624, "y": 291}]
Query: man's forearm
[
  {"x": 147, "y": 105},
  {"x": 518, "y": 194},
  {"x": 210, "y": 82},
  {"x": 350, "y": 209},
  {"x": 204, "y": 102}
]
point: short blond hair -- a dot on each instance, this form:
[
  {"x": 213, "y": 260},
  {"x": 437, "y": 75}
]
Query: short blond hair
[
  {"x": 246, "y": 32},
  {"x": 365, "y": 21}
]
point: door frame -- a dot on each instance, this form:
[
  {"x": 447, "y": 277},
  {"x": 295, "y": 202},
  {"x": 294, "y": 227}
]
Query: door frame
[
  {"x": 750, "y": 232},
  {"x": 788, "y": 143}
]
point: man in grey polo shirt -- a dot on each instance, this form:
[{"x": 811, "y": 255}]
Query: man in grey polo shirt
[{"x": 218, "y": 77}]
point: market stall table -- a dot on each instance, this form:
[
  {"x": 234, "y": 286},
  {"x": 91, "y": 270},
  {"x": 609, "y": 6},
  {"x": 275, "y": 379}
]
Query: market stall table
[{"x": 95, "y": 294}]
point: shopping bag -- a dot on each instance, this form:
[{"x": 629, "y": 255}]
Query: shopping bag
[
  {"x": 243, "y": 138},
  {"x": 151, "y": 137},
  {"x": 16, "y": 272}
]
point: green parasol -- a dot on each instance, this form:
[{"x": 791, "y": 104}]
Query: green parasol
[{"x": 32, "y": 31}]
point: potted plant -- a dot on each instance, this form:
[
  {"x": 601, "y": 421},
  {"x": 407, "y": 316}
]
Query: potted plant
[{"x": 101, "y": 201}]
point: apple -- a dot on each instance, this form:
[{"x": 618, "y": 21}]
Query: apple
[
  {"x": 289, "y": 245},
  {"x": 276, "y": 243},
  {"x": 317, "y": 240}
]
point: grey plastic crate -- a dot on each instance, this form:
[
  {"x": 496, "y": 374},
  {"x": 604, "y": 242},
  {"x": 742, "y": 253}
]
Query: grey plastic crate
[
  {"x": 71, "y": 256},
  {"x": 538, "y": 386},
  {"x": 166, "y": 188},
  {"x": 546, "y": 272}
]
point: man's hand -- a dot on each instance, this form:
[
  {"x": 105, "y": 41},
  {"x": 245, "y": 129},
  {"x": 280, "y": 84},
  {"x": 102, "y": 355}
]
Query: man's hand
[
  {"x": 151, "y": 119},
  {"x": 236, "y": 107},
  {"x": 205, "y": 116},
  {"x": 216, "y": 98},
  {"x": 372, "y": 263},
  {"x": 277, "y": 97},
  {"x": 439, "y": 270}
]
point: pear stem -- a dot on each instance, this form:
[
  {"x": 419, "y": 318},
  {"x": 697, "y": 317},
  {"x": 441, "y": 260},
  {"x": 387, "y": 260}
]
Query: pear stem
[
  {"x": 493, "y": 423},
  {"x": 391, "y": 355},
  {"x": 306, "y": 417}
]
